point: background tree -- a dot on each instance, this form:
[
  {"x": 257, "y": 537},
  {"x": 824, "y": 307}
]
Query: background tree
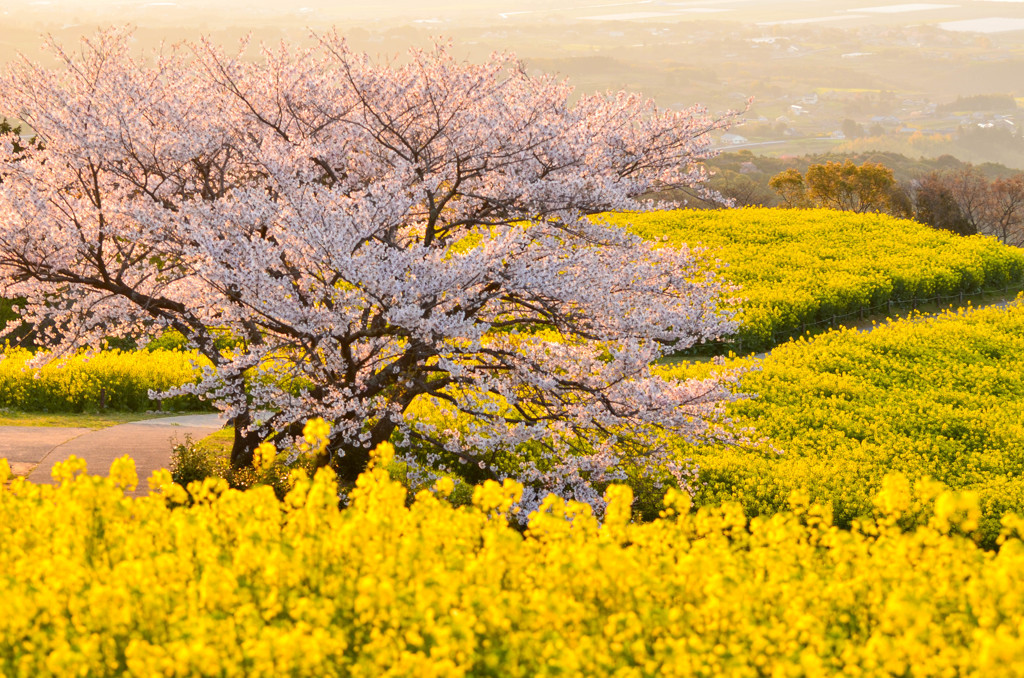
[
  {"x": 851, "y": 129},
  {"x": 964, "y": 200},
  {"x": 372, "y": 236},
  {"x": 971, "y": 191},
  {"x": 790, "y": 186},
  {"x": 855, "y": 188},
  {"x": 936, "y": 206},
  {"x": 869, "y": 187},
  {"x": 1004, "y": 210}
]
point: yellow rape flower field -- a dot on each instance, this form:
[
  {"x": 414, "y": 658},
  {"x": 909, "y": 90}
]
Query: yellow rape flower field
[
  {"x": 876, "y": 531},
  {"x": 798, "y": 268},
  {"x": 939, "y": 398},
  {"x": 117, "y": 380},
  {"x": 218, "y": 582}
]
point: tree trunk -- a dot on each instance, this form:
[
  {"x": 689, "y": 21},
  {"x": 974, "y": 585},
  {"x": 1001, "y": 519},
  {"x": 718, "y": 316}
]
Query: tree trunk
[
  {"x": 355, "y": 459},
  {"x": 245, "y": 444}
]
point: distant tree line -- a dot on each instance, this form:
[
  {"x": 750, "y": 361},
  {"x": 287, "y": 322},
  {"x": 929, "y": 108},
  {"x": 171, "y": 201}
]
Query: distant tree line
[
  {"x": 742, "y": 177},
  {"x": 870, "y": 187},
  {"x": 965, "y": 201},
  {"x": 942, "y": 192},
  {"x": 981, "y": 102},
  {"x": 961, "y": 200}
]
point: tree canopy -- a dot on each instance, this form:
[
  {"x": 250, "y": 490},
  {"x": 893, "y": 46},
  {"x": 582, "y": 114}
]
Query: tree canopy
[
  {"x": 869, "y": 187},
  {"x": 368, "y": 235}
]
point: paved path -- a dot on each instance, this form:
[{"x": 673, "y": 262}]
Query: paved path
[
  {"x": 25, "y": 446},
  {"x": 35, "y": 449}
]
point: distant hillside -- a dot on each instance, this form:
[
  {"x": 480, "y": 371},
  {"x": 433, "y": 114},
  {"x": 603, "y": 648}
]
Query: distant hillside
[
  {"x": 982, "y": 102},
  {"x": 980, "y": 143},
  {"x": 801, "y": 269}
]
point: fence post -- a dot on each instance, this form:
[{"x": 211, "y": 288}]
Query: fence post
[{"x": 103, "y": 398}]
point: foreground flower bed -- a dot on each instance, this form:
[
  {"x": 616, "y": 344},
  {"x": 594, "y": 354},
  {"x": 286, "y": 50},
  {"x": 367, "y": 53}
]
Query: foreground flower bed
[{"x": 238, "y": 583}]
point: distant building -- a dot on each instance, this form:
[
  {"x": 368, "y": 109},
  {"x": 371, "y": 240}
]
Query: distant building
[{"x": 730, "y": 138}]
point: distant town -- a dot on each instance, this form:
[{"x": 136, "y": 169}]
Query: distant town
[{"x": 844, "y": 76}]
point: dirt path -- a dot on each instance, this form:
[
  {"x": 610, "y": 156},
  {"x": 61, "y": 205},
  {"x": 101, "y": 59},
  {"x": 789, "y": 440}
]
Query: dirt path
[{"x": 33, "y": 451}]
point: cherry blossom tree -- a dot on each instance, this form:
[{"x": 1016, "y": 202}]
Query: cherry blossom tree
[{"x": 370, "y": 235}]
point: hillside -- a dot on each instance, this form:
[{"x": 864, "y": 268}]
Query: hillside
[{"x": 806, "y": 269}]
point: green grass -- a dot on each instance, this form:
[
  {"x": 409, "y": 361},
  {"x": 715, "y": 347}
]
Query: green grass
[
  {"x": 220, "y": 442},
  {"x": 93, "y": 420}
]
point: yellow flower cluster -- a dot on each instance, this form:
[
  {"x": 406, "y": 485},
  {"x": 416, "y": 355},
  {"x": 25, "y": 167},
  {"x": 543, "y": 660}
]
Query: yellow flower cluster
[
  {"x": 113, "y": 379},
  {"x": 941, "y": 397},
  {"x": 241, "y": 584},
  {"x": 797, "y": 267}
]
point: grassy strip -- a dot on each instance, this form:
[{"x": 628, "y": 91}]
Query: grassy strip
[
  {"x": 93, "y": 420},
  {"x": 219, "y": 443}
]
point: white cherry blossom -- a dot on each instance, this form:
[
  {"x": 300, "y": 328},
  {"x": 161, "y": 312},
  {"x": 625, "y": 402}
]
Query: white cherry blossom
[{"x": 370, "y": 234}]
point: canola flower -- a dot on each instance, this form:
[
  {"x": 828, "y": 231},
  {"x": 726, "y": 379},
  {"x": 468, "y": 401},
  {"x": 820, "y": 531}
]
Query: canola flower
[
  {"x": 122, "y": 380},
  {"x": 217, "y": 582},
  {"x": 938, "y": 397},
  {"x": 797, "y": 267}
]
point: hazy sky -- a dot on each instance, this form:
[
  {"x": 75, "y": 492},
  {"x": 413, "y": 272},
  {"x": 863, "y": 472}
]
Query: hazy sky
[
  {"x": 717, "y": 52},
  {"x": 51, "y": 15}
]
